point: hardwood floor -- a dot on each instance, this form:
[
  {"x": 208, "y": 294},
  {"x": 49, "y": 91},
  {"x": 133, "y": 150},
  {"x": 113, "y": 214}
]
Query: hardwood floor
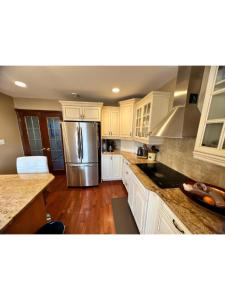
[{"x": 84, "y": 210}]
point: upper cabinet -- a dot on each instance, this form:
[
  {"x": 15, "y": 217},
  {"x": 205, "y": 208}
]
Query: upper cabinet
[
  {"x": 149, "y": 112},
  {"x": 81, "y": 111},
  {"x": 210, "y": 141},
  {"x": 127, "y": 118},
  {"x": 110, "y": 122}
]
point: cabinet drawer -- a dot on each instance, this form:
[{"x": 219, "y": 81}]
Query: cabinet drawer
[{"x": 170, "y": 221}]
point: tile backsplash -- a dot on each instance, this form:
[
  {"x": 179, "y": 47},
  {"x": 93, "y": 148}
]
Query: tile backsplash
[{"x": 177, "y": 154}]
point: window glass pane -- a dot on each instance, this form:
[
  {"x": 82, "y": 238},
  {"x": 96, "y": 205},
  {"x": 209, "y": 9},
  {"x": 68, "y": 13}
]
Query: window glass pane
[
  {"x": 54, "y": 133},
  {"x": 34, "y": 135},
  {"x": 220, "y": 74},
  {"x": 217, "y": 107},
  {"x": 212, "y": 135}
]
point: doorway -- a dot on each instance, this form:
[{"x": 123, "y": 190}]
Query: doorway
[{"x": 41, "y": 135}]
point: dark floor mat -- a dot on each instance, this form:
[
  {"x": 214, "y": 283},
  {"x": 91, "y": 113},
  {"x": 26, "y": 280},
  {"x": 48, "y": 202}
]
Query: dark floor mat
[{"x": 123, "y": 218}]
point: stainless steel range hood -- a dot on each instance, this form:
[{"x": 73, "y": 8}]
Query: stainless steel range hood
[{"x": 183, "y": 119}]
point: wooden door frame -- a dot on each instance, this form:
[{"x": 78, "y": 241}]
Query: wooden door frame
[{"x": 42, "y": 114}]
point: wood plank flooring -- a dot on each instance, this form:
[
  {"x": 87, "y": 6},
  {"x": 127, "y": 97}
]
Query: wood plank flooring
[{"x": 84, "y": 210}]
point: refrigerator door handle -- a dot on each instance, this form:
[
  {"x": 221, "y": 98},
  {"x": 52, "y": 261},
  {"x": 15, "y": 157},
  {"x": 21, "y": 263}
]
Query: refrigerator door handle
[
  {"x": 78, "y": 138},
  {"x": 81, "y": 144}
]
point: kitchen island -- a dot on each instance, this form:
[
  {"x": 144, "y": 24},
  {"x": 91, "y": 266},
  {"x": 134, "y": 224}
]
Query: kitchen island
[{"x": 22, "y": 205}]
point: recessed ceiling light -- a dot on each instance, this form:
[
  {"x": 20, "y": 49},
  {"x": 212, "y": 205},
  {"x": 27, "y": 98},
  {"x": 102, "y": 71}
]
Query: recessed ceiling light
[
  {"x": 115, "y": 90},
  {"x": 20, "y": 84}
]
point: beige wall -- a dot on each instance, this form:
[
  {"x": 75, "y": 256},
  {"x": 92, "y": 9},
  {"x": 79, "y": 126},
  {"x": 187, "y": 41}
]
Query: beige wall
[
  {"x": 37, "y": 104},
  {"x": 9, "y": 131},
  {"x": 177, "y": 154}
]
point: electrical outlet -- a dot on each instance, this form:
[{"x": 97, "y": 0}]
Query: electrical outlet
[{"x": 2, "y": 142}]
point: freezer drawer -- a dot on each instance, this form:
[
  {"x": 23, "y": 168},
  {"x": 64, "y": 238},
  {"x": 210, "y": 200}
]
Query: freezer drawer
[{"x": 82, "y": 174}]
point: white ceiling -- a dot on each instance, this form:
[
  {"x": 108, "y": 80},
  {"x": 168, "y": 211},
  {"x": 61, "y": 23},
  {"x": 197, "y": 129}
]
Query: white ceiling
[{"x": 90, "y": 82}]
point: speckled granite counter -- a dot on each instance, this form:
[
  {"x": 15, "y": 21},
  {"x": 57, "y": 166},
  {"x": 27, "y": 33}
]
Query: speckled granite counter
[
  {"x": 195, "y": 217},
  {"x": 17, "y": 191}
]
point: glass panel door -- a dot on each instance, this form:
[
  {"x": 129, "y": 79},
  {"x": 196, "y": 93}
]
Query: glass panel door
[
  {"x": 41, "y": 135},
  {"x": 55, "y": 139},
  {"x": 213, "y": 135},
  {"x": 34, "y": 135}
]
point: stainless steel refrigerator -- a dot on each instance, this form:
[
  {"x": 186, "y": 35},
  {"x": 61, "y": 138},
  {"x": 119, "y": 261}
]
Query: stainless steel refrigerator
[{"x": 81, "y": 141}]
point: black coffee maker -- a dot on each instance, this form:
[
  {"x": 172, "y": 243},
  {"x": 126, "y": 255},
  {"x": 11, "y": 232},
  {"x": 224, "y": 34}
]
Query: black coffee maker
[{"x": 110, "y": 146}]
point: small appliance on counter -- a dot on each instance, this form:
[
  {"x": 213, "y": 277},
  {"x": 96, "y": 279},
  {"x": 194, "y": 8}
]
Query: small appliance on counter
[
  {"x": 142, "y": 152},
  {"x": 110, "y": 145},
  {"x": 153, "y": 153}
]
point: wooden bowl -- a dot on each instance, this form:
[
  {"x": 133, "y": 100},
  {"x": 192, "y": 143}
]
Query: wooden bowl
[{"x": 199, "y": 200}]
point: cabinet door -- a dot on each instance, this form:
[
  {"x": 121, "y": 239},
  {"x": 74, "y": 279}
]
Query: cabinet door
[
  {"x": 131, "y": 193},
  {"x": 126, "y": 120},
  {"x": 115, "y": 122},
  {"x": 92, "y": 113},
  {"x": 138, "y": 122},
  {"x": 106, "y": 167},
  {"x": 210, "y": 141},
  {"x": 152, "y": 219},
  {"x": 169, "y": 223},
  {"x": 140, "y": 206},
  {"x": 116, "y": 167},
  {"x": 72, "y": 113},
  {"x": 164, "y": 226},
  {"x": 106, "y": 129}
]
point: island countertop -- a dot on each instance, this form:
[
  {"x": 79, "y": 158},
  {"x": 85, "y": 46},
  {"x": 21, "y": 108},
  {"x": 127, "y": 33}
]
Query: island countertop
[{"x": 17, "y": 191}]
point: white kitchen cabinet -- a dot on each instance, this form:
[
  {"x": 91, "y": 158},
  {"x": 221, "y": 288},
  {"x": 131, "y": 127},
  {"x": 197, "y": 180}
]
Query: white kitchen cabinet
[
  {"x": 125, "y": 173},
  {"x": 111, "y": 167},
  {"x": 152, "y": 217},
  {"x": 210, "y": 141},
  {"x": 149, "y": 112},
  {"x": 169, "y": 223},
  {"x": 81, "y": 111},
  {"x": 110, "y": 122},
  {"x": 127, "y": 118},
  {"x": 138, "y": 201}
]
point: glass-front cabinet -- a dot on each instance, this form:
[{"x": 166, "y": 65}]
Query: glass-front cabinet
[
  {"x": 210, "y": 141},
  {"x": 149, "y": 111}
]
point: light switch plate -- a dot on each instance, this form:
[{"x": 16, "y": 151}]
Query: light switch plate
[{"x": 2, "y": 142}]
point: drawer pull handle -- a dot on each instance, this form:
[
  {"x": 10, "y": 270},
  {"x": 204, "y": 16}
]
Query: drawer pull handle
[{"x": 177, "y": 227}]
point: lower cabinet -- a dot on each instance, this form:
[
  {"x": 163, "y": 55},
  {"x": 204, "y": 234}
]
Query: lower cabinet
[
  {"x": 125, "y": 173},
  {"x": 111, "y": 167},
  {"x": 169, "y": 223},
  {"x": 138, "y": 201},
  {"x": 151, "y": 214}
]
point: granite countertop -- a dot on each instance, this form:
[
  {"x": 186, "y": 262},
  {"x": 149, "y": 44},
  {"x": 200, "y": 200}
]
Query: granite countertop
[{"x": 17, "y": 191}]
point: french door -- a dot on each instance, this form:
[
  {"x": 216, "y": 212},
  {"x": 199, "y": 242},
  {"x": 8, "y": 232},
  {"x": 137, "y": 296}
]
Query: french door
[{"x": 41, "y": 135}]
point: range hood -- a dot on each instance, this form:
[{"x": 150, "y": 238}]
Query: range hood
[{"x": 183, "y": 119}]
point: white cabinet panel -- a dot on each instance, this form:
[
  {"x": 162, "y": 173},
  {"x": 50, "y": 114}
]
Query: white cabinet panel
[
  {"x": 115, "y": 123},
  {"x": 81, "y": 111},
  {"x": 126, "y": 118},
  {"x": 92, "y": 113},
  {"x": 110, "y": 121},
  {"x": 152, "y": 218},
  {"x": 111, "y": 167},
  {"x": 106, "y": 167},
  {"x": 116, "y": 167},
  {"x": 169, "y": 223},
  {"x": 72, "y": 113}
]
